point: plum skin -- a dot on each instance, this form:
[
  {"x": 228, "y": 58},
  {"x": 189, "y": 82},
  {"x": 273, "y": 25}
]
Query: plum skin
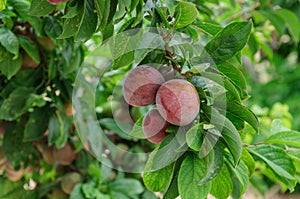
[
  {"x": 141, "y": 84},
  {"x": 178, "y": 102},
  {"x": 154, "y": 126}
]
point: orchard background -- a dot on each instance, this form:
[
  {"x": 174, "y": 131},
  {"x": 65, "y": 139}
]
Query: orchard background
[{"x": 241, "y": 56}]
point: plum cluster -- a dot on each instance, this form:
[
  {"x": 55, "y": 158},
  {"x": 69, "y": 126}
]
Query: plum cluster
[{"x": 177, "y": 101}]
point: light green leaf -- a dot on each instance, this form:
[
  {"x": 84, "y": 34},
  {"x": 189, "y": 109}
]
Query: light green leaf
[
  {"x": 126, "y": 186},
  {"x": 120, "y": 128},
  {"x": 291, "y": 21},
  {"x": 275, "y": 19},
  {"x": 137, "y": 130},
  {"x": 228, "y": 42},
  {"x": 9, "y": 41},
  {"x": 295, "y": 154},
  {"x": 8, "y": 65},
  {"x": 222, "y": 186},
  {"x": 30, "y": 48},
  {"x": 187, "y": 13},
  {"x": 191, "y": 172},
  {"x": 209, "y": 28},
  {"x": 2, "y": 4},
  {"x": 12, "y": 190},
  {"x": 276, "y": 158},
  {"x": 194, "y": 137},
  {"x": 157, "y": 180},
  {"x": 248, "y": 160},
  {"x": 40, "y": 7},
  {"x": 285, "y": 137},
  {"x": 277, "y": 127},
  {"x": 76, "y": 192}
]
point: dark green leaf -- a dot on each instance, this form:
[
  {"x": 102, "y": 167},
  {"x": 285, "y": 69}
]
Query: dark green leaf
[
  {"x": 37, "y": 124},
  {"x": 16, "y": 104},
  {"x": 187, "y": 13},
  {"x": 9, "y": 41},
  {"x": 120, "y": 128},
  {"x": 241, "y": 175},
  {"x": 58, "y": 129},
  {"x": 214, "y": 164},
  {"x": 14, "y": 148},
  {"x": 222, "y": 186},
  {"x": 276, "y": 158},
  {"x": 228, "y": 42},
  {"x": 194, "y": 137},
  {"x": 30, "y": 48},
  {"x": 191, "y": 172},
  {"x": 40, "y": 7},
  {"x": 9, "y": 66},
  {"x": 52, "y": 27},
  {"x": 242, "y": 113},
  {"x": 157, "y": 180}
]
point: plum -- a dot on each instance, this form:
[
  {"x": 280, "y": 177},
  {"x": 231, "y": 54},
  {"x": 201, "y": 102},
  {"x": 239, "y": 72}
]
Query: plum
[
  {"x": 57, "y": 2},
  {"x": 154, "y": 126},
  {"x": 141, "y": 84},
  {"x": 178, "y": 102}
]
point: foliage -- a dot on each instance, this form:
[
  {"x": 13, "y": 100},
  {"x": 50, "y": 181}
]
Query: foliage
[{"x": 43, "y": 48}]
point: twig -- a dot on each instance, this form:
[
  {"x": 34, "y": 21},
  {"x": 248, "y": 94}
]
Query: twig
[{"x": 243, "y": 12}]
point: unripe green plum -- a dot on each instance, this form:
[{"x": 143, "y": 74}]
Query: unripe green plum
[
  {"x": 154, "y": 126},
  {"x": 178, "y": 102},
  {"x": 141, "y": 84}
]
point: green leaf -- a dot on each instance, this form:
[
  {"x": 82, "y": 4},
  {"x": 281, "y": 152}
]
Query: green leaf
[
  {"x": 52, "y": 26},
  {"x": 137, "y": 130},
  {"x": 285, "y": 137},
  {"x": 222, "y": 186},
  {"x": 276, "y": 158},
  {"x": 126, "y": 186},
  {"x": 240, "y": 174},
  {"x": 228, "y": 131},
  {"x": 37, "y": 124},
  {"x": 291, "y": 21},
  {"x": 194, "y": 137},
  {"x": 9, "y": 41},
  {"x": 83, "y": 25},
  {"x": 76, "y": 192},
  {"x": 119, "y": 128},
  {"x": 209, "y": 28},
  {"x": 14, "y": 148},
  {"x": 248, "y": 160},
  {"x": 274, "y": 18},
  {"x": 8, "y": 65},
  {"x": 30, "y": 48},
  {"x": 242, "y": 113},
  {"x": 228, "y": 42},
  {"x": 16, "y": 104},
  {"x": 12, "y": 190},
  {"x": 214, "y": 164},
  {"x": 187, "y": 13},
  {"x": 2, "y": 4},
  {"x": 40, "y": 7},
  {"x": 58, "y": 129},
  {"x": 295, "y": 154},
  {"x": 191, "y": 172},
  {"x": 157, "y": 180}
]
